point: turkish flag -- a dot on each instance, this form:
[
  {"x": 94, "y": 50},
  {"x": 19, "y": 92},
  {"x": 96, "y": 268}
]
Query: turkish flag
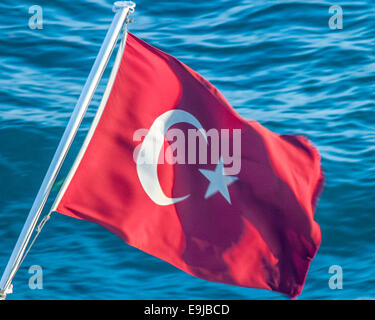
[{"x": 240, "y": 212}]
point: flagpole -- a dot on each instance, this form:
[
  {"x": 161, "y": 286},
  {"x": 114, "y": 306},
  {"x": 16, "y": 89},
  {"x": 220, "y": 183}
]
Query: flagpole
[{"x": 122, "y": 9}]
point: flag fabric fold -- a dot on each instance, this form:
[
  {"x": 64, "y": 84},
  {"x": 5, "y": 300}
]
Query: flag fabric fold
[{"x": 242, "y": 216}]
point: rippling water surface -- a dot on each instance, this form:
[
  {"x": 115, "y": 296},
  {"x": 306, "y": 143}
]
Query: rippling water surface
[{"x": 277, "y": 62}]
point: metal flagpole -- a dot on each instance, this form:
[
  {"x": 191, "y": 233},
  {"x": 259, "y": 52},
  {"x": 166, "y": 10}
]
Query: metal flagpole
[{"x": 122, "y": 9}]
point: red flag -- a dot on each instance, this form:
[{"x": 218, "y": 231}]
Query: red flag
[{"x": 240, "y": 212}]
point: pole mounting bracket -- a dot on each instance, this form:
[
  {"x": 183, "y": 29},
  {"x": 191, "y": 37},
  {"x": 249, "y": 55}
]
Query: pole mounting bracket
[{"x": 118, "y": 5}]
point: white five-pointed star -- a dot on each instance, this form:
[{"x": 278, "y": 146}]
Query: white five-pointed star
[{"x": 219, "y": 182}]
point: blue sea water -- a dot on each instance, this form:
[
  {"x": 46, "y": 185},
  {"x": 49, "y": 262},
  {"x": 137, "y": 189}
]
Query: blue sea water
[{"x": 277, "y": 62}]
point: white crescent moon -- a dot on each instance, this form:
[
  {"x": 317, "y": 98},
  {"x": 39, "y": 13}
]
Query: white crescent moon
[{"x": 147, "y": 160}]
